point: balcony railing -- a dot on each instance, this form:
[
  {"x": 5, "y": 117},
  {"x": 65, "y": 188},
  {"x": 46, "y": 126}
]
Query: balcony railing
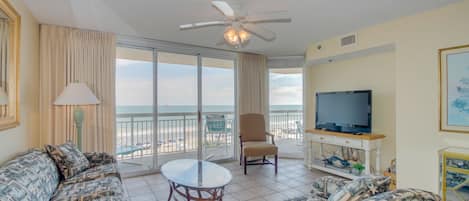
[{"x": 177, "y": 132}]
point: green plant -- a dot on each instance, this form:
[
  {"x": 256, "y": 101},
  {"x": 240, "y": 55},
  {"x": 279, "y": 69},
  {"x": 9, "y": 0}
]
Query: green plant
[{"x": 359, "y": 167}]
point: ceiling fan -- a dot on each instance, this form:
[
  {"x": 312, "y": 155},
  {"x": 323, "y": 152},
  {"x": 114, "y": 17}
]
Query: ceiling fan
[{"x": 240, "y": 26}]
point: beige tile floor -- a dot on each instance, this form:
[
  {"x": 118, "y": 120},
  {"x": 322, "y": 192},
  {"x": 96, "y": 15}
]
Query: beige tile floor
[{"x": 261, "y": 184}]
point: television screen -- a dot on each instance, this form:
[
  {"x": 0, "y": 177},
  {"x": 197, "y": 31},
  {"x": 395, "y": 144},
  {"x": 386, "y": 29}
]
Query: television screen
[{"x": 348, "y": 111}]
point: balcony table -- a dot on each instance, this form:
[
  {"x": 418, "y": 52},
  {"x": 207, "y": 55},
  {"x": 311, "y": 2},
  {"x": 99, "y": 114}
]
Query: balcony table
[{"x": 196, "y": 180}]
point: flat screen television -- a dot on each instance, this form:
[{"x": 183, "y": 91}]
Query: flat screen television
[{"x": 346, "y": 111}]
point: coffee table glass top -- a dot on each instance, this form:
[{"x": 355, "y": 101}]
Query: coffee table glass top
[{"x": 196, "y": 174}]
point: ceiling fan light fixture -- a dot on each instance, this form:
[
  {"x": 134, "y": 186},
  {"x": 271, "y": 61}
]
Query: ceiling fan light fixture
[
  {"x": 244, "y": 35},
  {"x": 235, "y": 37}
]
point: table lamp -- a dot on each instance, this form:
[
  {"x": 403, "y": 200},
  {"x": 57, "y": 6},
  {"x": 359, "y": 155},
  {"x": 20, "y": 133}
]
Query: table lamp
[{"x": 77, "y": 94}]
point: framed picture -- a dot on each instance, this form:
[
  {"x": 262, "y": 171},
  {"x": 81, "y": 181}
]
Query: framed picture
[{"x": 454, "y": 89}]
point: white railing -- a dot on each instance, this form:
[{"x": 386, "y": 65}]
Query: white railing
[{"x": 177, "y": 132}]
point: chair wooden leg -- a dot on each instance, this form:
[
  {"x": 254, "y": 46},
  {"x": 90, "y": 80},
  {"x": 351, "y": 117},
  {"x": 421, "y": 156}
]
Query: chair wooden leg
[
  {"x": 245, "y": 165},
  {"x": 276, "y": 164},
  {"x": 240, "y": 157}
]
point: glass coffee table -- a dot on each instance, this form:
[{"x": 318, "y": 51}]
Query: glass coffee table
[{"x": 196, "y": 180}]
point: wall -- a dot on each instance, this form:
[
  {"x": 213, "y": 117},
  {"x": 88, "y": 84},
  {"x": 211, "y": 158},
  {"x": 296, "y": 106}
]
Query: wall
[
  {"x": 375, "y": 72},
  {"x": 25, "y": 135},
  {"x": 417, "y": 40}
]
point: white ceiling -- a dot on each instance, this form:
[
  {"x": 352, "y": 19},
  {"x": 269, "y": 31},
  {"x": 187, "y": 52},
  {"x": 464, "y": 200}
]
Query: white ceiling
[{"x": 312, "y": 20}]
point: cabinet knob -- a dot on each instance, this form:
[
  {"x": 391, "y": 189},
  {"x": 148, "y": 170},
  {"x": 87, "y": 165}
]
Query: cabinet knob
[
  {"x": 347, "y": 141},
  {"x": 321, "y": 138}
]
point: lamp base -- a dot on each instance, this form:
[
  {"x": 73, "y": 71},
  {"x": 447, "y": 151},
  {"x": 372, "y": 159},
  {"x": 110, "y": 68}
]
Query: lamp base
[{"x": 78, "y": 118}]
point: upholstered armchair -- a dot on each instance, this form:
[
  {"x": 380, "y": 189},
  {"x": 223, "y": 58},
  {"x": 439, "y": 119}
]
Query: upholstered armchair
[{"x": 253, "y": 141}]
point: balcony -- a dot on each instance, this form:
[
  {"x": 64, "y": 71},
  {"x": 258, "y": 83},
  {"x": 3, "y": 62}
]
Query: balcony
[{"x": 177, "y": 136}]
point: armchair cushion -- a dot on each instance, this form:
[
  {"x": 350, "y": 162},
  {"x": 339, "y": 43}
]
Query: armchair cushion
[
  {"x": 255, "y": 149},
  {"x": 362, "y": 188},
  {"x": 69, "y": 160},
  {"x": 406, "y": 195}
]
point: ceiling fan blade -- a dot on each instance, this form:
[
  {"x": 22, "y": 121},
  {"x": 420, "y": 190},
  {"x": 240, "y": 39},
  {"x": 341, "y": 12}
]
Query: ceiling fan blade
[
  {"x": 224, "y": 7},
  {"x": 260, "y": 32},
  {"x": 202, "y": 24},
  {"x": 278, "y": 16}
]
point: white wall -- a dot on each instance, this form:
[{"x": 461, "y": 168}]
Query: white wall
[
  {"x": 417, "y": 40},
  {"x": 374, "y": 72},
  {"x": 26, "y": 134}
]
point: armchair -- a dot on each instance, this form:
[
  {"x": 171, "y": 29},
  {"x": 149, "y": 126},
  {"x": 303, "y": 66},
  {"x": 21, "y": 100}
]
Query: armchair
[{"x": 253, "y": 141}]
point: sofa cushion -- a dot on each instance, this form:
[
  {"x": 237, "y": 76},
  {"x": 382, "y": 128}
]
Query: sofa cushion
[
  {"x": 362, "y": 188},
  {"x": 106, "y": 188},
  {"x": 68, "y": 159},
  {"x": 94, "y": 173},
  {"x": 32, "y": 176}
]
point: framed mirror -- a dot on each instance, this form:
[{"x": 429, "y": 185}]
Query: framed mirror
[{"x": 10, "y": 22}]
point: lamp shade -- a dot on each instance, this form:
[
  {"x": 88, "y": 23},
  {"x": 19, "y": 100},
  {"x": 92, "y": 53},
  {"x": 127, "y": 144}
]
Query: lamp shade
[
  {"x": 76, "y": 94},
  {"x": 3, "y": 97}
]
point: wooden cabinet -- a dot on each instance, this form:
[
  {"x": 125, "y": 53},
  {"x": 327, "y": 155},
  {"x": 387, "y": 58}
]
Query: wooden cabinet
[{"x": 366, "y": 142}]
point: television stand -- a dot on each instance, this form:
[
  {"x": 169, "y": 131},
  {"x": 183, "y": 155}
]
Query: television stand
[{"x": 366, "y": 142}]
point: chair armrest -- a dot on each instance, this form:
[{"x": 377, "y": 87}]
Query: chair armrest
[
  {"x": 99, "y": 158},
  {"x": 406, "y": 194},
  {"x": 271, "y": 136},
  {"x": 326, "y": 186}
]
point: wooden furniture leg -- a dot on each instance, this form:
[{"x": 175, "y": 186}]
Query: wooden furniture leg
[{"x": 276, "y": 164}]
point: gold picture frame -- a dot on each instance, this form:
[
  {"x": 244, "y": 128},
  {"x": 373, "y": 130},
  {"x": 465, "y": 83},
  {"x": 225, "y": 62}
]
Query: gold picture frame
[
  {"x": 454, "y": 89},
  {"x": 9, "y": 117}
]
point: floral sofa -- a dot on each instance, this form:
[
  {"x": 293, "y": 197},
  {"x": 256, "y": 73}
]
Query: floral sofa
[
  {"x": 368, "y": 188},
  {"x": 33, "y": 176}
]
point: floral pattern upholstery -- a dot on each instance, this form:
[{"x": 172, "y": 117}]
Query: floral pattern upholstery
[
  {"x": 406, "y": 195},
  {"x": 96, "y": 172},
  {"x": 325, "y": 186},
  {"x": 99, "y": 158},
  {"x": 368, "y": 188},
  {"x": 34, "y": 176},
  {"x": 362, "y": 188},
  {"x": 68, "y": 159},
  {"x": 100, "y": 188}
]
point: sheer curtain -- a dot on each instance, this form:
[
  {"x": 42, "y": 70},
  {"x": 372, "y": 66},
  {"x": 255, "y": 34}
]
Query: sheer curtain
[
  {"x": 69, "y": 55},
  {"x": 252, "y": 84}
]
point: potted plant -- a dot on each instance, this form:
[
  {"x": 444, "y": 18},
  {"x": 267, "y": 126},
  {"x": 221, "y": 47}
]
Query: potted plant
[{"x": 358, "y": 167}]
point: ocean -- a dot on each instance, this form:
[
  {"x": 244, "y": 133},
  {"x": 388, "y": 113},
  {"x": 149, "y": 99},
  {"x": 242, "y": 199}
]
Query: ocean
[{"x": 126, "y": 109}]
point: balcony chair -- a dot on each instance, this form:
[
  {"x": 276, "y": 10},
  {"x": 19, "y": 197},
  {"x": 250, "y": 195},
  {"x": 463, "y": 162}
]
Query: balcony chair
[
  {"x": 253, "y": 141},
  {"x": 215, "y": 126}
]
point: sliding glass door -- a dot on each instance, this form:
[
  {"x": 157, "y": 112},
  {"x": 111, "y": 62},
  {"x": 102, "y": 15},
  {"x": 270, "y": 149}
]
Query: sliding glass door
[
  {"x": 178, "y": 135},
  {"x": 218, "y": 108},
  {"x": 172, "y": 105},
  {"x": 135, "y": 140}
]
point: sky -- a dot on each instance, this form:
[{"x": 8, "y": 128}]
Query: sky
[{"x": 177, "y": 85}]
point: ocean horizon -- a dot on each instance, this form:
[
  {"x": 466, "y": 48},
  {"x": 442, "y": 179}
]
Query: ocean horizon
[{"x": 127, "y": 109}]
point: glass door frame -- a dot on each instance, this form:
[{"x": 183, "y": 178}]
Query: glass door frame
[{"x": 200, "y": 52}]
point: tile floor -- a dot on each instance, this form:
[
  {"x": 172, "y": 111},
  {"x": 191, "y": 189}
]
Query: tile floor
[{"x": 261, "y": 184}]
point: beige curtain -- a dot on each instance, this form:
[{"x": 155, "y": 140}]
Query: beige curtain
[
  {"x": 68, "y": 55},
  {"x": 252, "y": 84}
]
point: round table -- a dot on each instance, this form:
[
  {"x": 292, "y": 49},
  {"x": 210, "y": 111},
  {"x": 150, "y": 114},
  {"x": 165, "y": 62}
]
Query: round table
[{"x": 196, "y": 180}]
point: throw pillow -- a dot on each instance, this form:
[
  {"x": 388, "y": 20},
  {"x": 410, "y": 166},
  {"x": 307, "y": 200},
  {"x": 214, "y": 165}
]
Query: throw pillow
[
  {"x": 362, "y": 188},
  {"x": 69, "y": 160}
]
